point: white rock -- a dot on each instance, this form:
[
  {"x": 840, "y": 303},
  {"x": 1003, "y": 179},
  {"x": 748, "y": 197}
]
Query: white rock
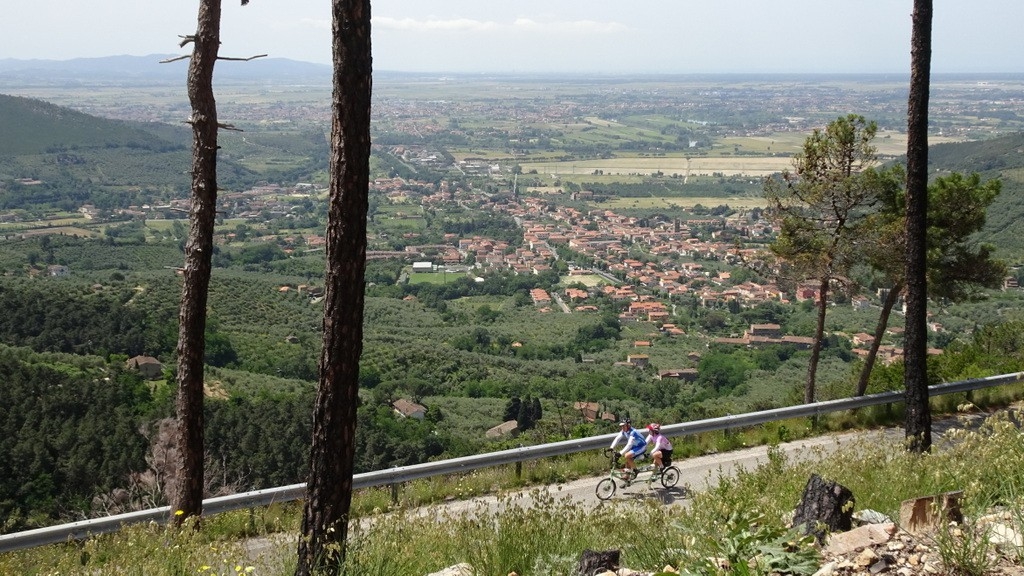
[
  {"x": 827, "y": 570},
  {"x": 462, "y": 569}
]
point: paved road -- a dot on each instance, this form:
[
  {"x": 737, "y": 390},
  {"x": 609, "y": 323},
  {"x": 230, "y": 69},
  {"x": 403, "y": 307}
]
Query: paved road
[{"x": 695, "y": 474}]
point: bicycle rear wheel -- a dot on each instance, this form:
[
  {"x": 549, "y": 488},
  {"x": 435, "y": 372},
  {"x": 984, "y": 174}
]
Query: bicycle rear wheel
[
  {"x": 605, "y": 489},
  {"x": 670, "y": 477}
]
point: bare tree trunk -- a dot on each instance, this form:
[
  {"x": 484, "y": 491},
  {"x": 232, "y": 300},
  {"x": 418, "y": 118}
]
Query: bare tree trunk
[
  {"x": 819, "y": 333},
  {"x": 329, "y": 492},
  {"x": 883, "y": 323},
  {"x": 915, "y": 369},
  {"x": 188, "y": 498}
]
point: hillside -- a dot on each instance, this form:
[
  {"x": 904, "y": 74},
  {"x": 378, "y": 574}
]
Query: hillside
[
  {"x": 71, "y": 156},
  {"x": 36, "y": 127},
  {"x": 1001, "y": 158}
]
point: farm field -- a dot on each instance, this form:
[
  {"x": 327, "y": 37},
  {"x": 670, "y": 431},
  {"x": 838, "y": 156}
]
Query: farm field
[
  {"x": 670, "y": 165},
  {"x": 662, "y": 203}
]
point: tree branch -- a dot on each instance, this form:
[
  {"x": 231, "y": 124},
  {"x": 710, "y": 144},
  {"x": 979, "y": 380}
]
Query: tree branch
[
  {"x": 176, "y": 58},
  {"x": 242, "y": 59}
]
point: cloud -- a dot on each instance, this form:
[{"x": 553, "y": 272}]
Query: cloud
[
  {"x": 412, "y": 25},
  {"x": 519, "y": 25},
  {"x": 573, "y": 26}
]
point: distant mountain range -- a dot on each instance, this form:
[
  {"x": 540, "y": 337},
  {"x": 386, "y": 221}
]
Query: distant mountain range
[{"x": 114, "y": 70}]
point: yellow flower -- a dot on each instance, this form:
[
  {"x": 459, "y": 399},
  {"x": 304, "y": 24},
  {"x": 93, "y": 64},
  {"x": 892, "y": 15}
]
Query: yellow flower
[{"x": 179, "y": 512}]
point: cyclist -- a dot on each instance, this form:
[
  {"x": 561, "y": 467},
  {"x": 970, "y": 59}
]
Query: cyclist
[
  {"x": 662, "y": 448},
  {"x": 635, "y": 446}
]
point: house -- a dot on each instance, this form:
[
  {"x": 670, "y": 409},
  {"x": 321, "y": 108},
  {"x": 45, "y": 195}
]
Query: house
[
  {"x": 765, "y": 330},
  {"x": 422, "y": 266},
  {"x": 638, "y": 360},
  {"x": 408, "y": 409},
  {"x": 149, "y": 367},
  {"x": 801, "y": 342},
  {"x": 591, "y": 411},
  {"x": 588, "y": 410},
  {"x": 681, "y": 374},
  {"x": 862, "y": 339}
]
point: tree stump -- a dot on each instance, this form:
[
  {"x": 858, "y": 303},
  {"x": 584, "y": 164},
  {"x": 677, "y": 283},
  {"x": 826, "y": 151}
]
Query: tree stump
[
  {"x": 825, "y": 507},
  {"x": 594, "y": 562}
]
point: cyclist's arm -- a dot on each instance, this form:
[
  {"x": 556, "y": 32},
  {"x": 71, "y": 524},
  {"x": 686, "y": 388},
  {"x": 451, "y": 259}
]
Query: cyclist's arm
[{"x": 616, "y": 441}]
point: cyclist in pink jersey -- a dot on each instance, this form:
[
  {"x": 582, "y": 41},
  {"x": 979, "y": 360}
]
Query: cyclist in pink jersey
[{"x": 661, "y": 450}]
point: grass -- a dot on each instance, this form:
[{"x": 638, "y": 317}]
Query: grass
[{"x": 739, "y": 517}]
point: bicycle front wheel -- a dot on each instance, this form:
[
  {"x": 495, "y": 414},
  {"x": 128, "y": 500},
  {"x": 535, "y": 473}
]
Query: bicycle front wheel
[
  {"x": 670, "y": 477},
  {"x": 605, "y": 489}
]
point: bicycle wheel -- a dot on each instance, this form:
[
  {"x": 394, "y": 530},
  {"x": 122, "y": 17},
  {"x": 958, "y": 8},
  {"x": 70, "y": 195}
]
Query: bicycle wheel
[
  {"x": 670, "y": 477},
  {"x": 605, "y": 489}
]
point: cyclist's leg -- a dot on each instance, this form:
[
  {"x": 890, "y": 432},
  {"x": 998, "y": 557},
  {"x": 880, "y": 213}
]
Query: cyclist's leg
[
  {"x": 629, "y": 460},
  {"x": 633, "y": 456}
]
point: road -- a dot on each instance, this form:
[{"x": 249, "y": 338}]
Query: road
[
  {"x": 696, "y": 473},
  {"x": 699, "y": 472}
]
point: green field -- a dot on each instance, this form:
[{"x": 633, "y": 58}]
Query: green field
[
  {"x": 669, "y": 165},
  {"x": 745, "y": 202}
]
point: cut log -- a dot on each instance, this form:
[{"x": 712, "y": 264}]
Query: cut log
[
  {"x": 924, "y": 514},
  {"x": 595, "y": 562}
]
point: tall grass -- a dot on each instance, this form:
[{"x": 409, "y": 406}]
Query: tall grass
[{"x": 538, "y": 533}]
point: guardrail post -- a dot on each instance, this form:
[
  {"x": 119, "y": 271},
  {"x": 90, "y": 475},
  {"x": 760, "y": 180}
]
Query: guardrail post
[
  {"x": 394, "y": 493},
  {"x": 519, "y": 468}
]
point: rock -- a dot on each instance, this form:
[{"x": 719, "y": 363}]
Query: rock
[
  {"x": 879, "y": 567},
  {"x": 825, "y": 506},
  {"x": 840, "y": 543},
  {"x": 869, "y": 516},
  {"x": 1004, "y": 536},
  {"x": 462, "y": 569},
  {"x": 828, "y": 569},
  {"x": 866, "y": 558}
]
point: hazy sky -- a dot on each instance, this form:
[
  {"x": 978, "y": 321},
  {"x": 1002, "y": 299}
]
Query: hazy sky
[{"x": 613, "y": 36}]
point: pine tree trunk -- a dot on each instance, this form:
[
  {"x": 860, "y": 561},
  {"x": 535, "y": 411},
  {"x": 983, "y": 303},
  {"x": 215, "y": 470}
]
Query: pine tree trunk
[
  {"x": 918, "y": 419},
  {"x": 188, "y": 496},
  {"x": 883, "y": 323},
  {"x": 819, "y": 333},
  {"x": 329, "y": 492}
]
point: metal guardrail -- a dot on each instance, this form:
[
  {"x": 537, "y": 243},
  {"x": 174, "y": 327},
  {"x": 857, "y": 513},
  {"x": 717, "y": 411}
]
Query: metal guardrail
[{"x": 86, "y": 528}]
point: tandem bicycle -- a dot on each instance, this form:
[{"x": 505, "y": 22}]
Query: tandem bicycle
[{"x": 668, "y": 476}]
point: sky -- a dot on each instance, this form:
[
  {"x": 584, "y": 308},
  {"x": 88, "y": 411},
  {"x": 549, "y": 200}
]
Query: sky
[{"x": 547, "y": 36}]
